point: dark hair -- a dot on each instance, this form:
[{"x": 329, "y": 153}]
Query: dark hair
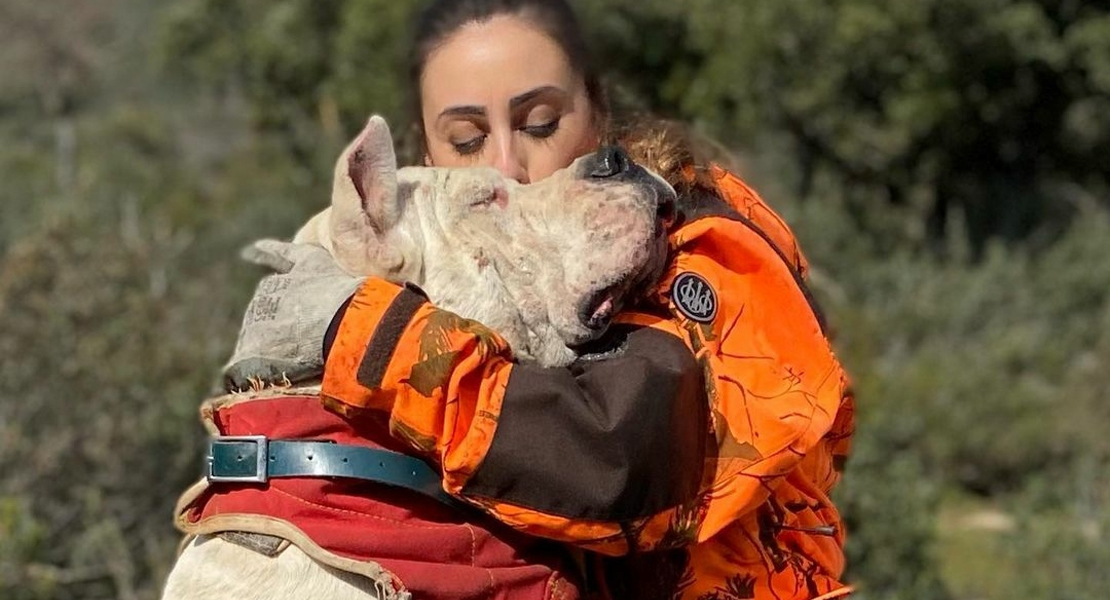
[{"x": 442, "y": 18}]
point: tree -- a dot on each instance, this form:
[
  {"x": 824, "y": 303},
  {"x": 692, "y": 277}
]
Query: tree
[{"x": 930, "y": 107}]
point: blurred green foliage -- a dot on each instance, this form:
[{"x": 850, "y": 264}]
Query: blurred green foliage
[{"x": 943, "y": 161}]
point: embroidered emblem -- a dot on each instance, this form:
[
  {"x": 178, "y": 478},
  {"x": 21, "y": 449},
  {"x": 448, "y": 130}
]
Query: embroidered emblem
[{"x": 694, "y": 298}]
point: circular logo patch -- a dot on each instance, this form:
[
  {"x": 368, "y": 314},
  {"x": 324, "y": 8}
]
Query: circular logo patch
[{"x": 693, "y": 297}]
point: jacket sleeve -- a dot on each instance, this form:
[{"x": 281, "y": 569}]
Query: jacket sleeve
[{"x": 601, "y": 453}]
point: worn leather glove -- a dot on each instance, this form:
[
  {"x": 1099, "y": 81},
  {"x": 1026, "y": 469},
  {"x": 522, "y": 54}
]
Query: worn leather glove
[{"x": 281, "y": 339}]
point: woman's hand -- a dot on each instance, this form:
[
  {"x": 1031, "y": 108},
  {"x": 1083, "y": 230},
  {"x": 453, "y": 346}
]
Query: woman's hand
[{"x": 281, "y": 339}]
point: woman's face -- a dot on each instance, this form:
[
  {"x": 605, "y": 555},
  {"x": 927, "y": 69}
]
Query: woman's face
[{"x": 502, "y": 94}]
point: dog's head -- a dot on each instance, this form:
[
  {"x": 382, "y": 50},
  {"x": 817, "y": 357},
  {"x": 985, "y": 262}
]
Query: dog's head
[{"x": 547, "y": 265}]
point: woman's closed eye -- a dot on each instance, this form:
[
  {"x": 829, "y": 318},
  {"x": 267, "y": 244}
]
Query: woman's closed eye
[
  {"x": 475, "y": 143},
  {"x": 542, "y": 130},
  {"x": 471, "y": 145}
]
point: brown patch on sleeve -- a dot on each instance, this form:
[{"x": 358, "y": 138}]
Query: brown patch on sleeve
[
  {"x": 380, "y": 349},
  {"x": 613, "y": 440}
]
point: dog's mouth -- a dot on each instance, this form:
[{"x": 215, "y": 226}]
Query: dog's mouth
[{"x": 597, "y": 310}]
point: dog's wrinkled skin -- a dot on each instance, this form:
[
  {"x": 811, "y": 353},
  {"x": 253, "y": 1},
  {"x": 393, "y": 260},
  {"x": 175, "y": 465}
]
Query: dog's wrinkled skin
[{"x": 545, "y": 265}]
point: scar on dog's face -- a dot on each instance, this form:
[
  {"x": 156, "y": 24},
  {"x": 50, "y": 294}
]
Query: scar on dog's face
[{"x": 547, "y": 265}]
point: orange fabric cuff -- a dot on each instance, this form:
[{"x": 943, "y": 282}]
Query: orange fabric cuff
[
  {"x": 438, "y": 376},
  {"x": 346, "y": 366}
]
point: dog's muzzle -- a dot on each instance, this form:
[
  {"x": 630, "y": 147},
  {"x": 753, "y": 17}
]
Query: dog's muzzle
[{"x": 612, "y": 163}]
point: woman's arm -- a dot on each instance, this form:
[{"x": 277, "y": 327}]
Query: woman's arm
[{"x": 584, "y": 454}]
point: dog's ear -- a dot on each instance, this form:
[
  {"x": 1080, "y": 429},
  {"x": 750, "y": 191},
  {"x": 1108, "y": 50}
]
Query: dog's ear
[{"x": 365, "y": 204}]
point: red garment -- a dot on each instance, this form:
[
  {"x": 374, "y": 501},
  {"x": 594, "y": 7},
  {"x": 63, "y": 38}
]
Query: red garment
[{"x": 435, "y": 551}]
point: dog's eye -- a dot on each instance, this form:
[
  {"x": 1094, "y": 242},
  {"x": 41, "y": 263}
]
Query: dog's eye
[{"x": 496, "y": 197}]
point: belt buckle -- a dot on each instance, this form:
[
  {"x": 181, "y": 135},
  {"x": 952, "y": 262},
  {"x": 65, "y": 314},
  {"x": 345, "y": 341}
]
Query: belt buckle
[{"x": 230, "y": 459}]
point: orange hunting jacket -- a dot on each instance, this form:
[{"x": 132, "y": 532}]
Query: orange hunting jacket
[{"x": 701, "y": 451}]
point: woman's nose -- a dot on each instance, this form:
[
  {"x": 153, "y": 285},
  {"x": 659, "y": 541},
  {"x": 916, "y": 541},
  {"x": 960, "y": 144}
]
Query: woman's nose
[{"x": 508, "y": 159}]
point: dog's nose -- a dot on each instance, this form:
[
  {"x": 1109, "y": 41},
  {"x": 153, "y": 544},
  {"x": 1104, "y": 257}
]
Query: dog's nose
[{"x": 610, "y": 161}]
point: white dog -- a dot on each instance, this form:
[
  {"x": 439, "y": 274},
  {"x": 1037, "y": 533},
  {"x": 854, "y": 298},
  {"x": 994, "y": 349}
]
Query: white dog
[{"x": 546, "y": 265}]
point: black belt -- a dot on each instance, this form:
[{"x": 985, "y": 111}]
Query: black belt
[{"x": 257, "y": 459}]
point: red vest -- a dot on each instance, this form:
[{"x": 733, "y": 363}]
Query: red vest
[{"x": 432, "y": 550}]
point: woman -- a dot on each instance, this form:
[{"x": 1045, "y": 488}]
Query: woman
[{"x": 704, "y": 451}]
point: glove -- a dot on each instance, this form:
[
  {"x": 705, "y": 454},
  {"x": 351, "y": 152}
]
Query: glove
[{"x": 281, "y": 339}]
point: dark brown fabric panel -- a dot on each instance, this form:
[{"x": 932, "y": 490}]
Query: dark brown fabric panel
[
  {"x": 611, "y": 439},
  {"x": 384, "y": 341},
  {"x": 333, "y": 328}
]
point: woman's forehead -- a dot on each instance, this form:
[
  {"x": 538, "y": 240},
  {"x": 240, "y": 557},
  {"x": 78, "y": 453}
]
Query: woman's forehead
[{"x": 493, "y": 62}]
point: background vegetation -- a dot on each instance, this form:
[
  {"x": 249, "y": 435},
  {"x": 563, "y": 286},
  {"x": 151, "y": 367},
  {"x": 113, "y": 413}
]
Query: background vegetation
[{"x": 944, "y": 162}]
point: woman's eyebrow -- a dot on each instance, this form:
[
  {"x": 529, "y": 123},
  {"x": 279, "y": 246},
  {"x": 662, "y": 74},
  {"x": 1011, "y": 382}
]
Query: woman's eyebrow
[
  {"x": 532, "y": 94},
  {"x": 465, "y": 111}
]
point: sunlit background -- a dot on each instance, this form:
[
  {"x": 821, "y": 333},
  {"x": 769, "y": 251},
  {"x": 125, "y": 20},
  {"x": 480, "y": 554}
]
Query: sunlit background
[{"x": 944, "y": 162}]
